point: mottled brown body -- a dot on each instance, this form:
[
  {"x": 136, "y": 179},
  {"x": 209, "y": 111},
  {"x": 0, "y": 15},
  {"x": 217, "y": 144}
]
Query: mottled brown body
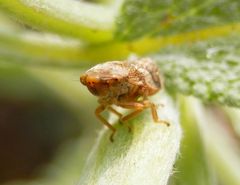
[{"x": 126, "y": 84}]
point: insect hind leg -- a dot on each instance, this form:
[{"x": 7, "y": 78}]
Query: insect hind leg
[
  {"x": 155, "y": 117},
  {"x": 131, "y": 115},
  {"x": 137, "y": 107}
]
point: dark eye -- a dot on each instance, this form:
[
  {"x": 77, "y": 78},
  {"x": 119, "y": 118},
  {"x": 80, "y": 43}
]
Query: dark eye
[{"x": 91, "y": 82}]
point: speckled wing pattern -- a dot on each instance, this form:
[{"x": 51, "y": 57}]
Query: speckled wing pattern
[
  {"x": 147, "y": 72},
  {"x": 109, "y": 70}
]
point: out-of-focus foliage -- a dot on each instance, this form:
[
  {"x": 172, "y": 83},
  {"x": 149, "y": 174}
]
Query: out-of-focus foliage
[
  {"x": 192, "y": 158},
  {"x": 69, "y": 18},
  {"x": 197, "y": 49},
  {"x": 208, "y": 70},
  {"x": 140, "y": 17}
]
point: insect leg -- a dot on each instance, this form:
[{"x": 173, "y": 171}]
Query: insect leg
[
  {"x": 138, "y": 108},
  {"x": 154, "y": 113},
  {"x": 98, "y": 111},
  {"x": 115, "y": 112},
  {"x": 132, "y": 114},
  {"x": 131, "y": 105},
  {"x": 119, "y": 115}
]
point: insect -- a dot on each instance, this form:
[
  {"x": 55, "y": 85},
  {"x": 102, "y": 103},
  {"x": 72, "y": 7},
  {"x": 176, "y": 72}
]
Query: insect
[{"x": 126, "y": 84}]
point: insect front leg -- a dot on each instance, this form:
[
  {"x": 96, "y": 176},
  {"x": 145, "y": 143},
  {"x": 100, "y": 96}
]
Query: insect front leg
[
  {"x": 98, "y": 112},
  {"x": 153, "y": 107}
]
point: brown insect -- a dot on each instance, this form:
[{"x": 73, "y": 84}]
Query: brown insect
[{"x": 126, "y": 84}]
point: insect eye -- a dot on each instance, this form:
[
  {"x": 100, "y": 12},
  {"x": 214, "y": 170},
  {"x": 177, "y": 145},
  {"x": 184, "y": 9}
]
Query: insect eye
[{"x": 91, "y": 82}]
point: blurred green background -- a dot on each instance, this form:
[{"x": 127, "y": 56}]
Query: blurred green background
[{"x": 40, "y": 134}]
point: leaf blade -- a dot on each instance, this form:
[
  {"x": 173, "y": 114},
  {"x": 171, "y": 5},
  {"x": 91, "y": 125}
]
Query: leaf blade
[
  {"x": 135, "y": 158},
  {"x": 139, "y": 18},
  {"x": 208, "y": 70},
  {"x": 68, "y": 18}
]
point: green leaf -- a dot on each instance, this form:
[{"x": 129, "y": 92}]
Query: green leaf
[
  {"x": 29, "y": 48},
  {"x": 139, "y": 17},
  {"x": 208, "y": 69},
  {"x": 145, "y": 156},
  {"x": 221, "y": 148},
  {"x": 193, "y": 158},
  {"x": 186, "y": 16},
  {"x": 234, "y": 115},
  {"x": 154, "y": 17},
  {"x": 70, "y": 18}
]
